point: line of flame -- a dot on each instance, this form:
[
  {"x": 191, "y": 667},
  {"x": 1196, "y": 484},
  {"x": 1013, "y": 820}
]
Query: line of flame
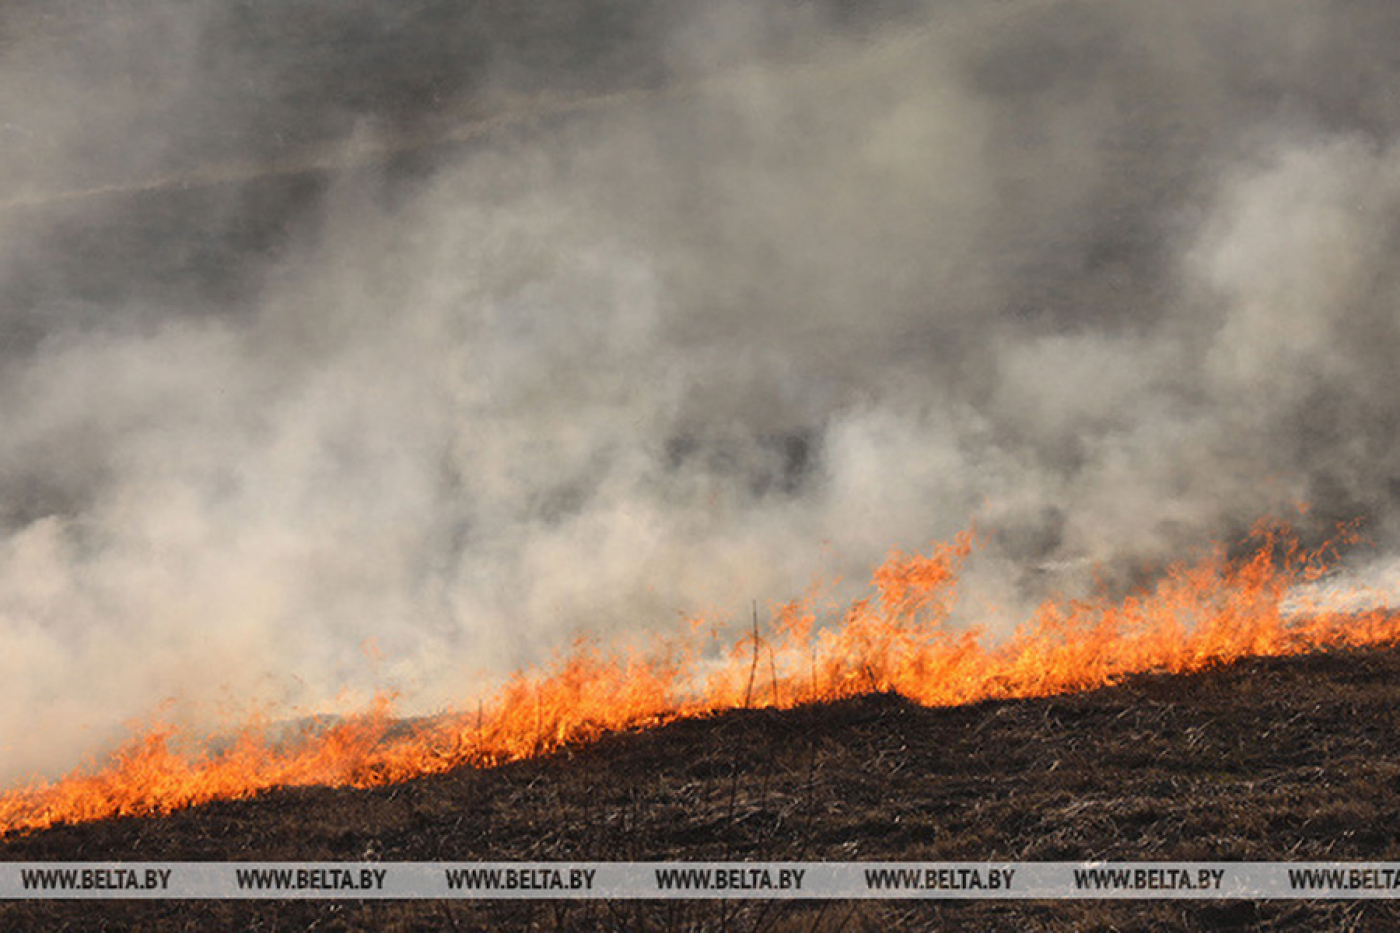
[{"x": 1196, "y": 616}]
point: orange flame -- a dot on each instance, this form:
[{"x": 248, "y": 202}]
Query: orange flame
[{"x": 1196, "y": 616}]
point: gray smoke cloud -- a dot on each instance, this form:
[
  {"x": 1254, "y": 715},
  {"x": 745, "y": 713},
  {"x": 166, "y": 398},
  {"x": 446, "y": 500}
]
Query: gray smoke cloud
[{"x": 443, "y": 331}]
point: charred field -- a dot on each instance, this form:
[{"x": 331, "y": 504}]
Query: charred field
[
  {"x": 451, "y": 329},
  {"x": 1263, "y": 759}
]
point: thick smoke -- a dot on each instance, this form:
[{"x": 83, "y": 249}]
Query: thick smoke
[{"x": 349, "y": 345}]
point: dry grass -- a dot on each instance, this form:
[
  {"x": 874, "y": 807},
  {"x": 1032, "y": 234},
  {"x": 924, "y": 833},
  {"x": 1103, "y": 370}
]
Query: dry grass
[{"x": 1266, "y": 759}]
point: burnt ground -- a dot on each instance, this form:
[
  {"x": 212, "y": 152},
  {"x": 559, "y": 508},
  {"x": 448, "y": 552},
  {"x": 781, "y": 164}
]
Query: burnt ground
[
  {"x": 1295, "y": 758},
  {"x": 1266, "y": 759}
]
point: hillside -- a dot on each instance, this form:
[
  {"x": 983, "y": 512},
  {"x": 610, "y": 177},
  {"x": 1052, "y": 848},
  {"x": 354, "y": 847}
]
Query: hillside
[
  {"x": 1265, "y": 759},
  {"x": 348, "y": 344}
]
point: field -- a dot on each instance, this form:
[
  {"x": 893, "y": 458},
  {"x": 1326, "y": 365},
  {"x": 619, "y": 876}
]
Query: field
[
  {"x": 1295, "y": 759},
  {"x": 350, "y": 345}
]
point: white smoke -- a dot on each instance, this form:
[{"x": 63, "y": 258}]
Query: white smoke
[{"x": 716, "y": 305}]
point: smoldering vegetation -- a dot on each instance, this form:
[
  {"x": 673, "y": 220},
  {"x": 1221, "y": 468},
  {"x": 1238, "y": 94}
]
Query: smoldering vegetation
[{"x": 349, "y": 345}]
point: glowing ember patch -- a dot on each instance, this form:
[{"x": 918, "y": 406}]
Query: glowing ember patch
[{"x": 1210, "y": 613}]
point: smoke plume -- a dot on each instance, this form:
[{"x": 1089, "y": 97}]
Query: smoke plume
[{"x": 350, "y": 344}]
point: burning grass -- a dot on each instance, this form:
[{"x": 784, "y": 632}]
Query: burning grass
[
  {"x": 896, "y": 641},
  {"x": 1266, "y": 758}
]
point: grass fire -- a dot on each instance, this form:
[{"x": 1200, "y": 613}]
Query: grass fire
[
  {"x": 896, "y": 642},
  {"x": 1106, "y": 731},
  {"x": 436, "y": 414}
]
